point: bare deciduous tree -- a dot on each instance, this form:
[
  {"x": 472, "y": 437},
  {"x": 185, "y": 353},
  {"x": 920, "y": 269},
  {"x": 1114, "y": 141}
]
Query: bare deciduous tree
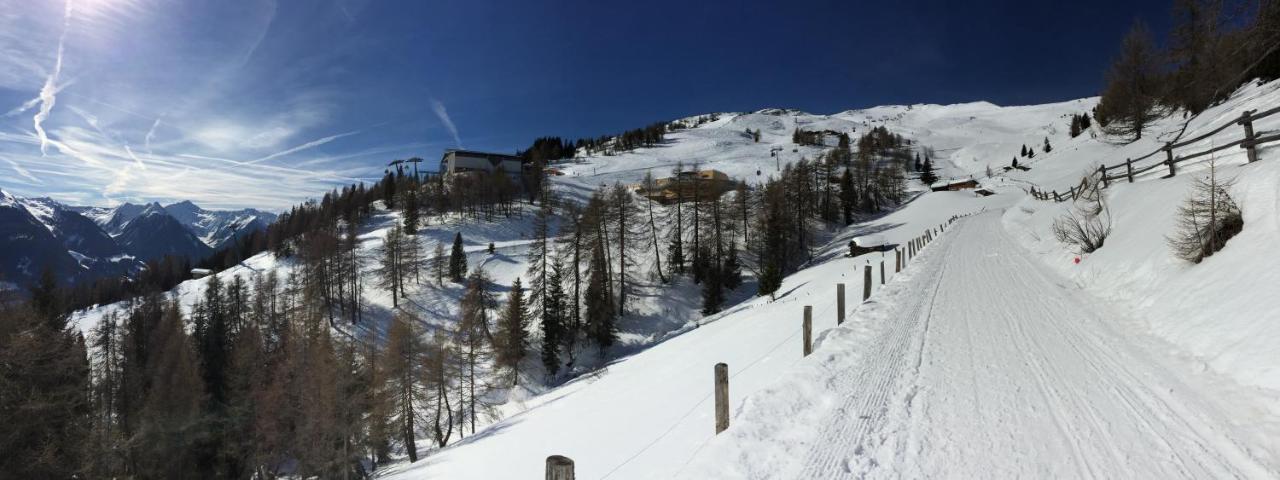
[
  {"x": 1088, "y": 223},
  {"x": 1207, "y": 218}
]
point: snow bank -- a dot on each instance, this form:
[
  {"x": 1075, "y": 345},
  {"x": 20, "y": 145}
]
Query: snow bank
[{"x": 1224, "y": 311}]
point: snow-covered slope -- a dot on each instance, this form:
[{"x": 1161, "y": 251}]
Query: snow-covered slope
[
  {"x": 966, "y": 138},
  {"x": 647, "y": 414},
  {"x": 40, "y": 232},
  {"x": 217, "y": 228},
  {"x": 1221, "y": 313}
]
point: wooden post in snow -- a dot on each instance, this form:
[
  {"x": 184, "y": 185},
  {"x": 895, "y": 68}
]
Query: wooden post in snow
[
  {"x": 560, "y": 467},
  {"x": 722, "y": 397},
  {"x": 1102, "y": 170},
  {"x": 839, "y": 303},
  {"x": 897, "y": 260},
  {"x": 1246, "y": 120},
  {"x": 808, "y": 330},
  {"x": 866, "y": 283},
  {"x": 1168, "y": 158},
  {"x": 1128, "y": 167},
  {"x": 882, "y": 272}
]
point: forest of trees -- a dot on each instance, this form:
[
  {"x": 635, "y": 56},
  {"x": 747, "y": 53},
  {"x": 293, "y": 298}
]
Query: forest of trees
[{"x": 1213, "y": 48}]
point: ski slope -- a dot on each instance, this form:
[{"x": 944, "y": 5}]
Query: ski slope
[{"x": 985, "y": 364}]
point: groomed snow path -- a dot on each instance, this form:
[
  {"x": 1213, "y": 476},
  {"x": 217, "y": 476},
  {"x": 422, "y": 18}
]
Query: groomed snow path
[{"x": 997, "y": 368}]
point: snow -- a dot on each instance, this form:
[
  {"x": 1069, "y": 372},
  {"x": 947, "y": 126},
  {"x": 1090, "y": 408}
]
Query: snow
[
  {"x": 1220, "y": 312},
  {"x": 981, "y": 362},
  {"x": 991, "y": 355},
  {"x": 1033, "y": 375},
  {"x": 644, "y": 416}
]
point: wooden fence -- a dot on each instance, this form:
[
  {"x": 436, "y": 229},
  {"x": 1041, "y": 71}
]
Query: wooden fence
[
  {"x": 1151, "y": 161},
  {"x": 559, "y": 467}
]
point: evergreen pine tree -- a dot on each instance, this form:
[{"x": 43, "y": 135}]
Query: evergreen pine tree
[
  {"x": 457, "y": 260},
  {"x": 926, "y": 174},
  {"x": 554, "y": 315},
  {"x": 600, "y": 313},
  {"x": 770, "y": 279},
  {"x": 410, "y": 204},
  {"x": 848, "y": 196}
]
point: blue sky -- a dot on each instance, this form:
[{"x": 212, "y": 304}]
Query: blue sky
[{"x": 264, "y": 103}]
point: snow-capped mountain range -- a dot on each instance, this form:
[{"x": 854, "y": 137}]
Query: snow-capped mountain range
[{"x": 81, "y": 243}]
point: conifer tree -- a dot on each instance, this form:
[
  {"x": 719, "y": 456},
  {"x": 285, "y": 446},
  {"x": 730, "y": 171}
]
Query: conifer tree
[
  {"x": 553, "y": 317},
  {"x": 770, "y": 279},
  {"x": 600, "y": 326},
  {"x": 476, "y": 343},
  {"x": 410, "y": 204},
  {"x": 926, "y": 173},
  {"x": 848, "y": 196},
  {"x": 513, "y": 332},
  {"x": 731, "y": 272},
  {"x": 169, "y": 428},
  {"x": 439, "y": 264},
  {"x": 401, "y": 363},
  {"x": 712, "y": 289},
  {"x": 457, "y": 260},
  {"x": 1129, "y": 101}
]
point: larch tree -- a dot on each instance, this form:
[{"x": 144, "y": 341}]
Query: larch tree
[
  {"x": 401, "y": 363},
  {"x": 1129, "y": 100},
  {"x": 513, "y": 333},
  {"x": 653, "y": 226}
]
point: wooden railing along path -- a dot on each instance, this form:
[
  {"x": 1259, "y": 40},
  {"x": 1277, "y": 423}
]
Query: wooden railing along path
[{"x": 1153, "y": 160}]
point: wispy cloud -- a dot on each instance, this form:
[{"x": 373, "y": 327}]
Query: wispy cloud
[
  {"x": 306, "y": 146},
  {"x": 151, "y": 133},
  {"x": 443, "y": 114},
  {"x": 27, "y": 105},
  {"x": 49, "y": 92}
]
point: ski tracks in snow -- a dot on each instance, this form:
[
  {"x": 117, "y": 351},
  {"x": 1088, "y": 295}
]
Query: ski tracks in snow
[{"x": 991, "y": 367}]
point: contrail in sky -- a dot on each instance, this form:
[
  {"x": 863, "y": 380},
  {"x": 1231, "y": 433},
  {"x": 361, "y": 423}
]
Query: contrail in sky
[
  {"x": 48, "y": 93},
  {"x": 444, "y": 118}
]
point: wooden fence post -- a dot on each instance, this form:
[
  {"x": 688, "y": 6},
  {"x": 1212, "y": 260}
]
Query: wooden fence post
[
  {"x": 839, "y": 303},
  {"x": 1246, "y": 120},
  {"x": 1103, "y": 170},
  {"x": 722, "y": 397},
  {"x": 1128, "y": 166},
  {"x": 808, "y": 330},
  {"x": 560, "y": 467},
  {"x": 1073, "y": 193},
  {"x": 1055, "y": 196},
  {"x": 866, "y": 283},
  {"x": 897, "y": 260},
  {"x": 882, "y": 272},
  {"x": 1168, "y": 158}
]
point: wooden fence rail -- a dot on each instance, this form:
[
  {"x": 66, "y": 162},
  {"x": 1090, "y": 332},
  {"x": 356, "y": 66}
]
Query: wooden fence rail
[{"x": 1129, "y": 168}]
